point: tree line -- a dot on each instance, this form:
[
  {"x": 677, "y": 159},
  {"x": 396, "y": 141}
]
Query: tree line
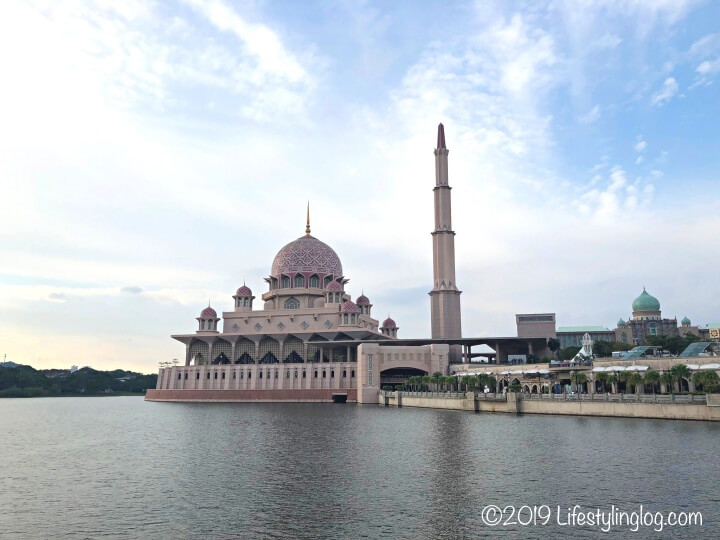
[{"x": 25, "y": 381}]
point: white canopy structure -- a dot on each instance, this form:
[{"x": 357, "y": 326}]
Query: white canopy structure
[{"x": 585, "y": 351}]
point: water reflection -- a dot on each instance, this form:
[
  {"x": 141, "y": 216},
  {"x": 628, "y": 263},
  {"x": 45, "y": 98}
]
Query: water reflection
[{"x": 120, "y": 467}]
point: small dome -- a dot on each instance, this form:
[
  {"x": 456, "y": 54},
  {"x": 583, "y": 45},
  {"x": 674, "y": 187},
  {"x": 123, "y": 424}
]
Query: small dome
[
  {"x": 363, "y": 300},
  {"x": 389, "y": 323},
  {"x": 244, "y": 291},
  {"x": 334, "y": 286},
  {"x": 208, "y": 313},
  {"x": 646, "y": 302},
  {"x": 621, "y": 322},
  {"x": 685, "y": 321},
  {"x": 348, "y": 307}
]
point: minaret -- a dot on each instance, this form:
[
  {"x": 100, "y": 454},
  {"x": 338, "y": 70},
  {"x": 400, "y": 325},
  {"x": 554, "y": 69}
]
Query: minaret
[{"x": 445, "y": 296}]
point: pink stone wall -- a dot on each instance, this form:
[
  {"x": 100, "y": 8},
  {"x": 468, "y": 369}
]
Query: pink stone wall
[{"x": 312, "y": 395}]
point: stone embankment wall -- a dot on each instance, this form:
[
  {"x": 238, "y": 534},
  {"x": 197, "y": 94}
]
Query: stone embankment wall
[{"x": 515, "y": 404}]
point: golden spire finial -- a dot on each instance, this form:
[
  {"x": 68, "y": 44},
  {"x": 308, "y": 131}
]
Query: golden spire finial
[{"x": 307, "y": 226}]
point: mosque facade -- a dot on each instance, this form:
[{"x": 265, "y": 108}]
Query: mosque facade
[{"x": 306, "y": 339}]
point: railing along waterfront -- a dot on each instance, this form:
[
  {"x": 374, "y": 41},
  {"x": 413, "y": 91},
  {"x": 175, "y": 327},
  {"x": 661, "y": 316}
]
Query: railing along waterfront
[
  {"x": 623, "y": 398},
  {"x": 617, "y": 398}
]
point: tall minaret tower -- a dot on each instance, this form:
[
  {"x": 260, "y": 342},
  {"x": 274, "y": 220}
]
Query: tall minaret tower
[{"x": 445, "y": 296}]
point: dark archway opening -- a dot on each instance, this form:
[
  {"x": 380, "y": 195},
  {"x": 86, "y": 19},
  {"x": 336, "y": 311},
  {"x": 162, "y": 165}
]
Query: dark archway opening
[{"x": 399, "y": 376}]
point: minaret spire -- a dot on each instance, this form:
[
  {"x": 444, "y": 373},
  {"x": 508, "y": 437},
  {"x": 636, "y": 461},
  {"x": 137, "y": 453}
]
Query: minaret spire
[
  {"x": 307, "y": 226},
  {"x": 445, "y": 296}
]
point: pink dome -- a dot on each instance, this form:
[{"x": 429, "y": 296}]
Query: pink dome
[
  {"x": 208, "y": 313},
  {"x": 244, "y": 291},
  {"x": 349, "y": 307},
  {"x": 308, "y": 255},
  {"x": 363, "y": 300},
  {"x": 334, "y": 286},
  {"x": 389, "y": 323}
]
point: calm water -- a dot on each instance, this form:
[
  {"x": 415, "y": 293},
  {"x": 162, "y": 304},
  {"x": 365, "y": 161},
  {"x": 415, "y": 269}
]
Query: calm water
[{"x": 123, "y": 468}]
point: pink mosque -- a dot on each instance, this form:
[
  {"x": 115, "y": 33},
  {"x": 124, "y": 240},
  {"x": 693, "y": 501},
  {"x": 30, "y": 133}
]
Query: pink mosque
[{"x": 309, "y": 340}]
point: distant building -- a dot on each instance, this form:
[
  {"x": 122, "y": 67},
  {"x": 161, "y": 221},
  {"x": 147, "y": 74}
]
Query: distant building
[
  {"x": 572, "y": 336},
  {"x": 535, "y": 325},
  {"x": 646, "y": 321}
]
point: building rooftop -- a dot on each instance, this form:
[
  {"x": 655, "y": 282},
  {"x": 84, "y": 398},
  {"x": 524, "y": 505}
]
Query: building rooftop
[{"x": 583, "y": 329}]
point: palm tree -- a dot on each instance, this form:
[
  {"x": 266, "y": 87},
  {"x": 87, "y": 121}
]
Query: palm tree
[
  {"x": 652, "y": 378},
  {"x": 633, "y": 379},
  {"x": 680, "y": 372},
  {"x": 667, "y": 379},
  {"x": 603, "y": 379},
  {"x": 706, "y": 379},
  {"x": 578, "y": 379},
  {"x": 612, "y": 379},
  {"x": 426, "y": 380},
  {"x": 469, "y": 382},
  {"x": 437, "y": 378}
]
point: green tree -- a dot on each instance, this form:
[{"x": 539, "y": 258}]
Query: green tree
[
  {"x": 426, "y": 380},
  {"x": 619, "y": 346},
  {"x": 652, "y": 378},
  {"x": 633, "y": 379},
  {"x": 680, "y": 372},
  {"x": 437, "y": 378},
  {"x": 602, "y": 349},
  {"x": 708, "y": 380},
  {"x": 675, "y": 345},
  {"x": 603, "y": 379},
  {"x": 578, "y": 378},
  {"x": 568, "y": 353},
  {"x": 667, "y": 379},
  {"x": 554, "y": 345},
  {"x": 613, "y": 379}
]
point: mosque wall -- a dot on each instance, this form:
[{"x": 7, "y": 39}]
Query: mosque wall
[{"x": 328, "y": 376}]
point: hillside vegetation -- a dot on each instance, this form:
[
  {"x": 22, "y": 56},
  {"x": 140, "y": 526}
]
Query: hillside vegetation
[{"x": 25, "y": 381}]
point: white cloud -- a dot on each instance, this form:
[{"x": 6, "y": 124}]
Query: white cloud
[
  {"x": 709, "y": 67},
  {"x": 641, "y": 145},
  {"x": 591, "y": 116},
  {"x": 666, "y": 93}
]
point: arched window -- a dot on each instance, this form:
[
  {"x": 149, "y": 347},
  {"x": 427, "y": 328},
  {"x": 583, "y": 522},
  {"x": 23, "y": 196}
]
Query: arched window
[
  {"x": 299, "y": 281},
  {"x": 345, "y": 318},
  {"x": 292, "y": 303},
  {"x": 285, "y": 282},
  {"x": 653, "y": 329},
  {"x": 202, "y": 324},
  {"x": 314, "y": 282}
]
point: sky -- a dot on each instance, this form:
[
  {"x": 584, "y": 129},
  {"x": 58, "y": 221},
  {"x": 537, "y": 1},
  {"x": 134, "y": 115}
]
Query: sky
[{"x": 156, "y": 155}]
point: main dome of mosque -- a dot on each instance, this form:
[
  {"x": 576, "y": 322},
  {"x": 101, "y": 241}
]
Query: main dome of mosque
[{"x": 307, "y": 255}]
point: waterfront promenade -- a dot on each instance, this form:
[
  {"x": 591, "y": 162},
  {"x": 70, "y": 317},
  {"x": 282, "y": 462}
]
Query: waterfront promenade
[{"x": 669, "y": 407}]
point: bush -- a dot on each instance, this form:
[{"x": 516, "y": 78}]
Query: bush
[{"x": 23, "y": 392}]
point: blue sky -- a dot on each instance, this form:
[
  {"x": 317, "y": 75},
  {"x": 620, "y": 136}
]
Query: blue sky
[{"x": 157, "y": 154}]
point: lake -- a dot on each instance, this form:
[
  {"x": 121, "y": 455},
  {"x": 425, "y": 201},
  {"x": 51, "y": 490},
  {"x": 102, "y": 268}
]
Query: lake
[{"x": 119, "y": 467}]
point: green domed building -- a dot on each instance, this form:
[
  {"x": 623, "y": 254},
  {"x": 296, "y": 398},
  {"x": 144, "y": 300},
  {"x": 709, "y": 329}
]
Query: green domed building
[
  {"x": 645, "y": 303},
  {"x": 646, "y": 321}
]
